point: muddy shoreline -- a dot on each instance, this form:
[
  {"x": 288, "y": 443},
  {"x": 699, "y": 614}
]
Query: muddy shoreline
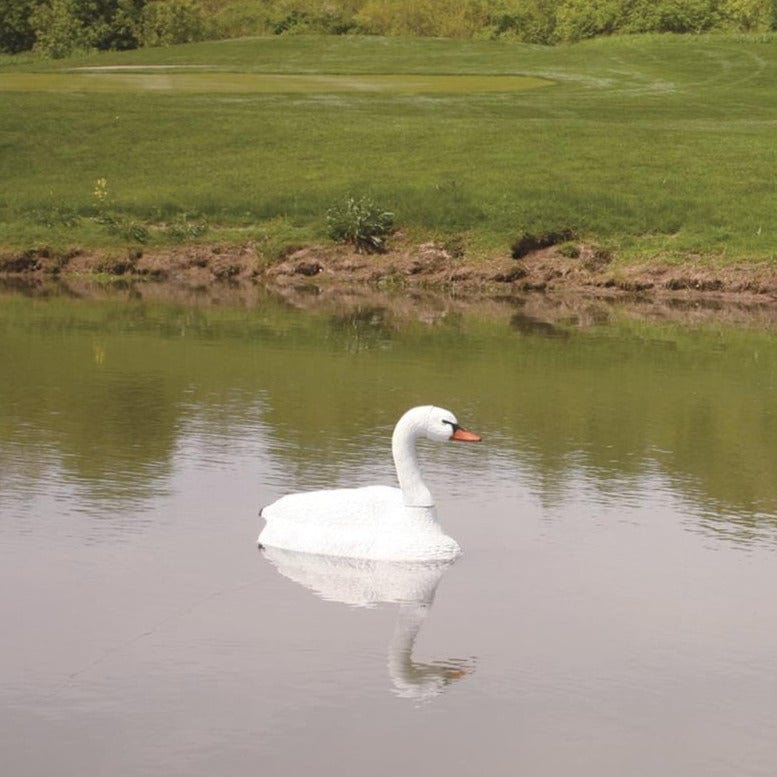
[{"x": 338, "y": 270}]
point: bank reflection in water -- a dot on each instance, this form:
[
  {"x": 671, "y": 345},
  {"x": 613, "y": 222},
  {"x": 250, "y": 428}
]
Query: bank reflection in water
[
  {"x": 363, "y": 583},
  {"x": 101, "y": 393}
]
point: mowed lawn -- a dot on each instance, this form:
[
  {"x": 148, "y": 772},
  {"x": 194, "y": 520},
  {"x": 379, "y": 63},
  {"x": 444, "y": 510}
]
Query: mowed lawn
[{"x": 653, "y": 145}]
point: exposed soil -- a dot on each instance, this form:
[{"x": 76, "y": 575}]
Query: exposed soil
[{"x": 418, "y": 267}]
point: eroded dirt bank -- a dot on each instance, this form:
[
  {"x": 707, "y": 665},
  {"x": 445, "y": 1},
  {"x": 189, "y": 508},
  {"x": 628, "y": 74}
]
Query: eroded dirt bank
[{"x": 426, "y": 266}]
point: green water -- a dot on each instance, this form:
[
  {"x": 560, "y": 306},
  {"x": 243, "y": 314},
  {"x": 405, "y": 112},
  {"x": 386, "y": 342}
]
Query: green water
[
  {"x": 106, "y": 385},
  {"x": 611, "y": 613}
]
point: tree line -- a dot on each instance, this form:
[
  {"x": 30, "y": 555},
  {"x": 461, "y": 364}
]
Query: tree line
[{"x": 57, "y": 28}]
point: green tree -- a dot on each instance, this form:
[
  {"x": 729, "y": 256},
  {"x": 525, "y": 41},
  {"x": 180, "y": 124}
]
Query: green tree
[
  {"x": 16, "y": 32},
  {"x": 64, "y": 26},
  {"x": 749, "y": 15},
  {"x": 581, "y": 19},
  {"x": 58, "y": 29},
  {"x": 167, "y": 22},
  {"x": 314, "y": 16},
  {"x": 425, "y": 18},
  {"x": 530, "y": 21},
  {"x": 686, "y": 16},
  {"x": 115, "y": 24}
]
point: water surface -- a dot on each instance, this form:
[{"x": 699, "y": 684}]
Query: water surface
[{"x": 612, "y": 613}]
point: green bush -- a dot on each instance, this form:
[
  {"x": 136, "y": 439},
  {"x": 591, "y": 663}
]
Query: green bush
[
  {"x": 425, "y": 18},
  {"x": 61, "y": 27},
  {"x": 169, "y": 22},
  {"x": 360, "y": 222},
  {"x": 683, "y": 16},
  {"x": 183, "y": 229},
  {"x": 119, "y": 28},
  {"x": 581, "y": 19},
  {"x": 748, "y": 15},
  {"x": 58, "y": 29},
  {"x": 16, "y": 31},
  {"x": 529, "y": 21},
  {"x": 123, "y": 226},
  {"x": 313, "y": 16},
  {"x": 235, "y": 20}
]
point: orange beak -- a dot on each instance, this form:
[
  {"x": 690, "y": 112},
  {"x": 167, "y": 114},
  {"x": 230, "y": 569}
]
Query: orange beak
[{"x": 462, "y": 435}]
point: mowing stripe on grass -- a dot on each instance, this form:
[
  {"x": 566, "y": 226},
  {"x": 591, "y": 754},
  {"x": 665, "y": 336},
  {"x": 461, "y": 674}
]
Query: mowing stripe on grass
[{"x": 114, "y": 80}]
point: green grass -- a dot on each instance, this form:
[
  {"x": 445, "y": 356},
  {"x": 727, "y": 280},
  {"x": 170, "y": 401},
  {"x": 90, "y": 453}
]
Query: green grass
[{"x": 652, "y": 145}]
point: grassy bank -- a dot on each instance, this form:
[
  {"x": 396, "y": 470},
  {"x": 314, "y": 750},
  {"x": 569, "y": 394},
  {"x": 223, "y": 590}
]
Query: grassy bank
[{"x": 657, "y": 147}]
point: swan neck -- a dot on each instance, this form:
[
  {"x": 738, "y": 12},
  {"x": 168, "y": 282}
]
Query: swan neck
[
  {"x": 414, "y": 490},
  {"x": 410, "y": 618}
]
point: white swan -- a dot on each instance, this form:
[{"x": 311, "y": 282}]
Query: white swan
[{"x": 375, "y": 522}]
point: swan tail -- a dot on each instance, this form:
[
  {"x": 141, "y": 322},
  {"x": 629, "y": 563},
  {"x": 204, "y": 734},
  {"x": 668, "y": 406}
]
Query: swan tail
[{"x": 261, "y": 515}]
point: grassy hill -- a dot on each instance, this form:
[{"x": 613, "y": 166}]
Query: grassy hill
[{"x": 653, "y": 145}]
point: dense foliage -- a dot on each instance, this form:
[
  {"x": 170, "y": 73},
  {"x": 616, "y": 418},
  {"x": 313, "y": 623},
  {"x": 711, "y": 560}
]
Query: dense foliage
[{"x": 58, "y": 27}]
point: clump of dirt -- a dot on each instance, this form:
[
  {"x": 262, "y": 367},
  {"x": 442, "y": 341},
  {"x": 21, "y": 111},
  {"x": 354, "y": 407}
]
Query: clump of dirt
[
  {"x": 528, "y": 242},
  {"x": 36, "y": 260},
  {"x": 200, "y": 264},
  {"x": 195, "y": 264}
]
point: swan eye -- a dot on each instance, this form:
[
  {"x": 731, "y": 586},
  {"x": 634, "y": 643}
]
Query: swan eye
[{"x": 452, "y": 425}]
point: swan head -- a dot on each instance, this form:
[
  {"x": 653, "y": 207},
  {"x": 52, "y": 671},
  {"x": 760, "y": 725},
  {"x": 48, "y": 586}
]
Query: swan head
[
  {"x": 434, "y": 423},
  {"x": 437, "y": 424}
]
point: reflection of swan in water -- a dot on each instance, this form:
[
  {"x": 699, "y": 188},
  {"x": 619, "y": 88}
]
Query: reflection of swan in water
[
  {"x": 411, "y": 679},
  {"x": 366, "y": 583}
]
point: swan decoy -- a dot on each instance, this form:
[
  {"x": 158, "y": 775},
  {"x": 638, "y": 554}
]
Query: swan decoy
[{"x": 373, "y": 522}]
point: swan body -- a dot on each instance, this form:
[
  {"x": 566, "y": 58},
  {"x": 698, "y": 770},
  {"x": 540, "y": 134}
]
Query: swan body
[{"x": 373, "y": 522}]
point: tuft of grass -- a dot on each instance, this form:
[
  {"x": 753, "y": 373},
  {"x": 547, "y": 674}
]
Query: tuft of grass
[
  {"x": 569, "y": 249},
  {"x": 360, "y": 222},
  {"x": 183, "y": 229},
  {"x": 55, "y": 216}
]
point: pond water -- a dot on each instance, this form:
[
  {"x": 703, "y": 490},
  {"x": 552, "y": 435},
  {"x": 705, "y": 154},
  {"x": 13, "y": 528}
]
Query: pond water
[{"x": 612, "y": 614}]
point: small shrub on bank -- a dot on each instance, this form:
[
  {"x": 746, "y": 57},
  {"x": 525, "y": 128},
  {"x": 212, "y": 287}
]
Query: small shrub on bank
[
  {"x": 56, "y": 215},
  {"x": 116, "y": 223},
  {"x": 183, "y": 229},
  {"x": 360, "y": 222},
  {"x": 124, "y": 226}
]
